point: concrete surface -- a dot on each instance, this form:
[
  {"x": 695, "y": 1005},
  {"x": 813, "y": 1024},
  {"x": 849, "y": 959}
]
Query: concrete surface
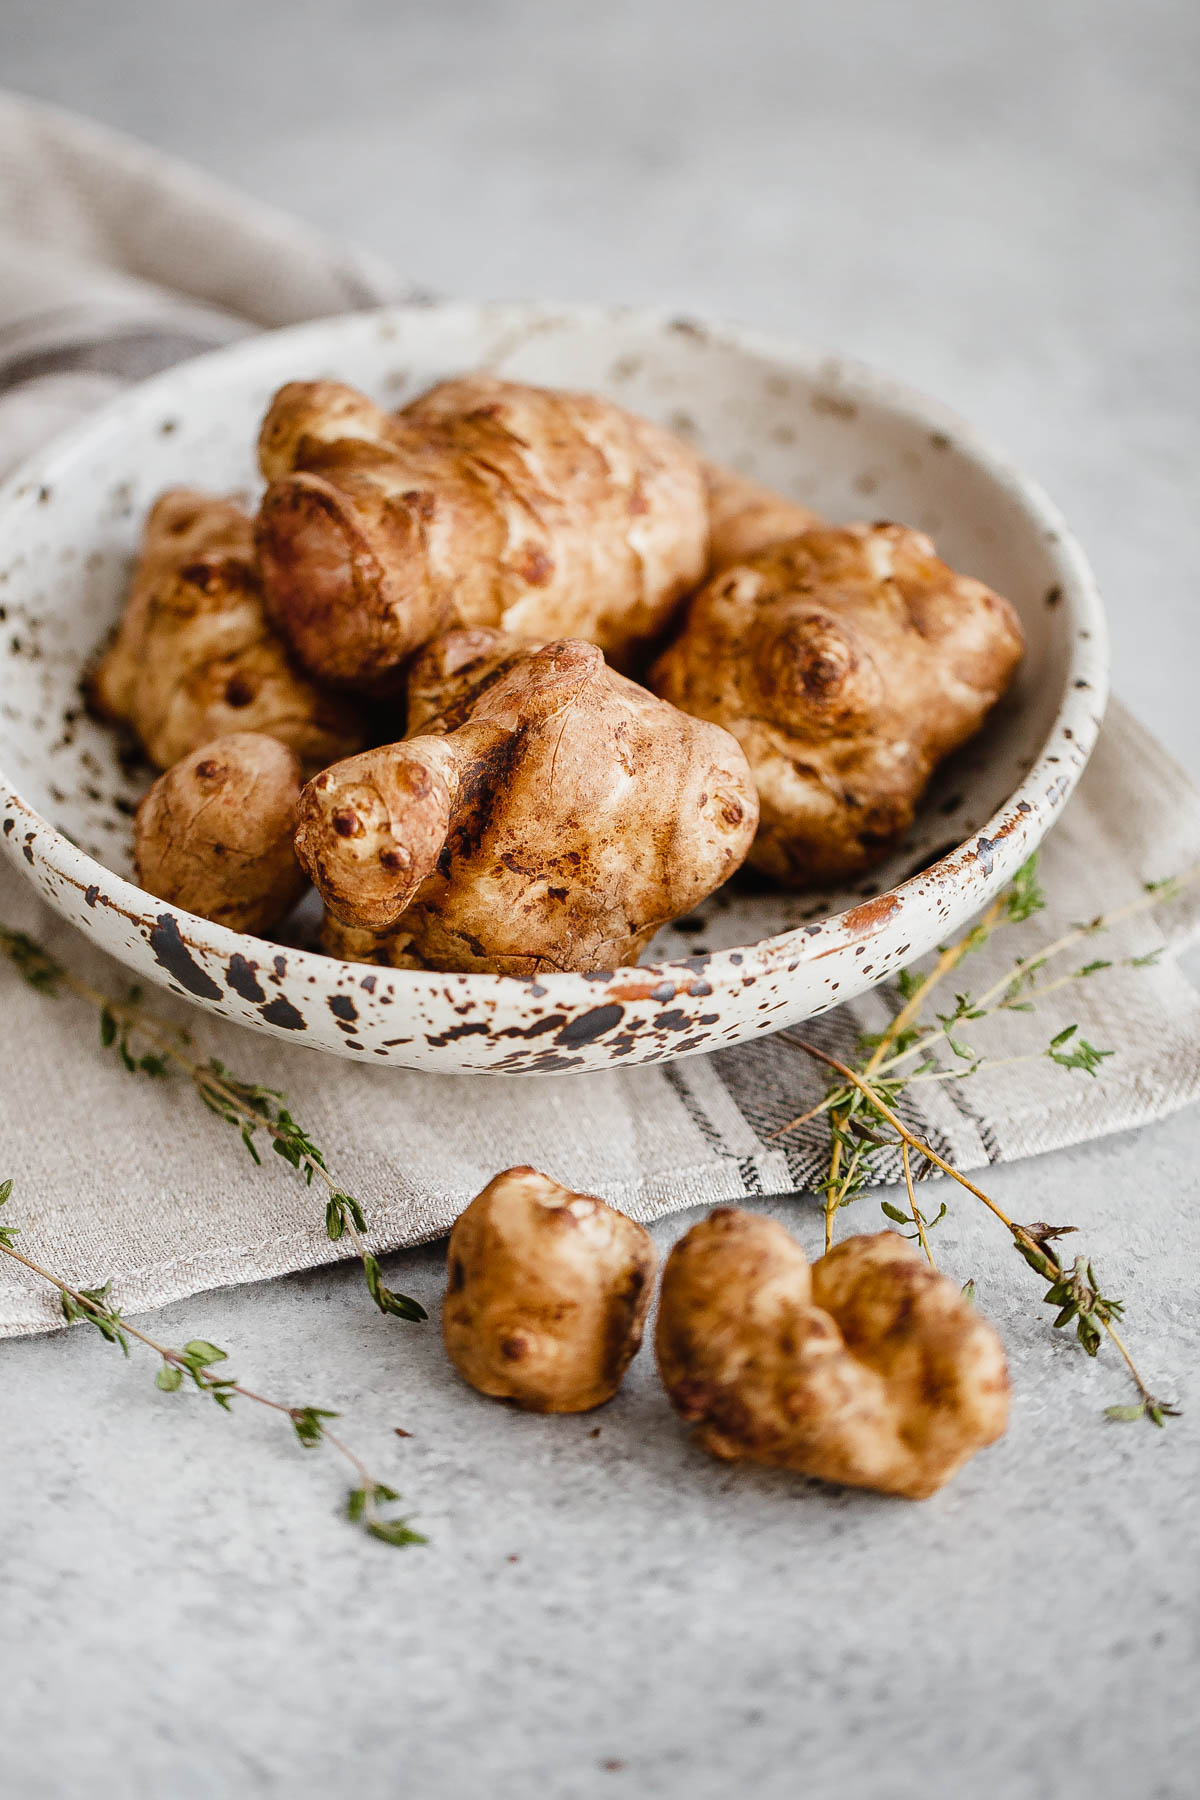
[{"x": 996, "y": 203}]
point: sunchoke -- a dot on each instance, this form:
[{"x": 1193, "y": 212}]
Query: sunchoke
[
  {"x": 547, "y": 1294},
  {"x": 745, "y": 517},
  {"x": 868, "y": 1368},
  {"x": 547, "y": 814},
  {"x": 194, "y": 656},
  {"x": 847, "y": 663},
  {"x": 484, "y": 502},
  {"x": 214, "y": 834}
]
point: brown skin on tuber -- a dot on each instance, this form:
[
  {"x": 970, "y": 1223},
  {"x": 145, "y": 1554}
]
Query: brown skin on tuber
[
  {"x": 353, "y": 943},
  {"x": 847, "y": 663},
  {"x": 744, "y": 517},
  {"x": 194, "y": 656},
  {"x": 548, "y": 814},
  {"x": 547, "y": 1294},
  {"x": 484, "y": 502},
  {"x": 214, "y": 834},
  {"x": 869, "y": 1368}
]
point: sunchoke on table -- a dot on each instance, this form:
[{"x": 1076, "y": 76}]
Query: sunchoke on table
[
  {"x": 547, "y": 1293},
  {"x": 868, "y": 1367}
]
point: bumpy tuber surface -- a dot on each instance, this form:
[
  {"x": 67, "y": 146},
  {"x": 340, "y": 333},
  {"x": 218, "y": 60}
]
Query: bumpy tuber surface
[
  {"x": 869, "y": 1368},
  {"x": 195, "y": 657},
  {"x": 214, "y": 834},
  {"x": 484, "y": 502},
  {"x": 847, "y": 663},
  {"x": 745, "y": 517},
  {"x": 547, "y": 1294},
  {"x": 547, "y": 814}
]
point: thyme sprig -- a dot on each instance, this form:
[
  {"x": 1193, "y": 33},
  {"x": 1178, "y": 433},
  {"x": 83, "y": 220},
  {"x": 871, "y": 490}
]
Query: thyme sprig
[
  {"x": 1074, "y": 1292},
  {"x": 146, "y": 1045},
  {"x": 865, "y": 1097},
  {"x": 197, "y": 1362},
  {"x": 1019, "y": 989},
  {"x": 901, "y": 1055}
]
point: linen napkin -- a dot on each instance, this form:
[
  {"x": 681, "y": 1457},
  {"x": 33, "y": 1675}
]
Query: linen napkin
[{"x": 114, "y": 263}]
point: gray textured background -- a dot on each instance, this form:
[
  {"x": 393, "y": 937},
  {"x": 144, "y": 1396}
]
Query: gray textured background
[{"x": 998, "y": 204}]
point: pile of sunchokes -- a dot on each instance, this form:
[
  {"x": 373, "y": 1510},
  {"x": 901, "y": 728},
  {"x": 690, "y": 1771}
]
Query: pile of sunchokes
[{"x": 525, "y": 748}]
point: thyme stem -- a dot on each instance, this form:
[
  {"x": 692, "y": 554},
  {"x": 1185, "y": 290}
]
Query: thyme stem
[
  {"x": 992, "y": 998},
  {"x": 195, "y": 1361},
  {"x": 947, "y": 961},
  {"x": 1032, "y": 1247},
  {"x": 901, "y": 1130},
  {"x": 239, "y": 1103},
  {"x": 983, "y": 1066},
  {"x": 837, "y": 1184},
  {"x": 918, "y": 1221}
]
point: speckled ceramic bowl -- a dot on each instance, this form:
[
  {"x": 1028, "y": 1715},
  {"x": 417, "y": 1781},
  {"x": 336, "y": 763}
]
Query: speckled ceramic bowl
[{"x": 848, "y": 442}]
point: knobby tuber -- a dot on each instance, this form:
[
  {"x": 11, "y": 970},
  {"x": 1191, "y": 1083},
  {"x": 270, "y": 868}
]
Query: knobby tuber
[
  {"x": 484, "y": 502},
  {"x": 547, "y": 1294},
  {"x": 547, "y": 814},
  {"x": 194, "y": 656},
  {"x": 847, "y": 663},
  {"x": 745, "y": 517},
  {"x": 868, "y": 1368},
  {"x": 214, "y": 834}
]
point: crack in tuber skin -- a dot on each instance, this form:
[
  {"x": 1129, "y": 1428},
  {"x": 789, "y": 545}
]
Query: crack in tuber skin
[
  {"x": 214, "y": 834},
  {"x": 194, "y": 656},
  {"x": 548, "y": 813},
  {"x": 547, "y": 1294},
  {"x": 848, "y": 662},
  {"x": 868, "y": 1368},
  {"x": 484, "y": 502}
]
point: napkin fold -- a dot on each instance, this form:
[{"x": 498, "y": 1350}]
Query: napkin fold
[{"x": 115, "y": 262}]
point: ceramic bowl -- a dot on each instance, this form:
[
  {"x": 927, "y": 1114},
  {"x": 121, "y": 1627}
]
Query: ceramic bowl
[{"x": 848, "y": 442}]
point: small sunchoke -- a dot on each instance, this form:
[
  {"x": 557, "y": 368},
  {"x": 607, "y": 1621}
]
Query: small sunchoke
[
  {"x": 194, "y": 656},
  {"x": 214, "y": 834},
  {"x": 547, "y": 1294}
]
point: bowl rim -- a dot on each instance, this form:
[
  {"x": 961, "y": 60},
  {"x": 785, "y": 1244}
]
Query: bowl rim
[{"x": 998, "y": 846}]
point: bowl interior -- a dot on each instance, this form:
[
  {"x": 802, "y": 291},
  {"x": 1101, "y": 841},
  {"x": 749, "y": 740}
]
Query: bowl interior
[{"x": 845, "y": 442}]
